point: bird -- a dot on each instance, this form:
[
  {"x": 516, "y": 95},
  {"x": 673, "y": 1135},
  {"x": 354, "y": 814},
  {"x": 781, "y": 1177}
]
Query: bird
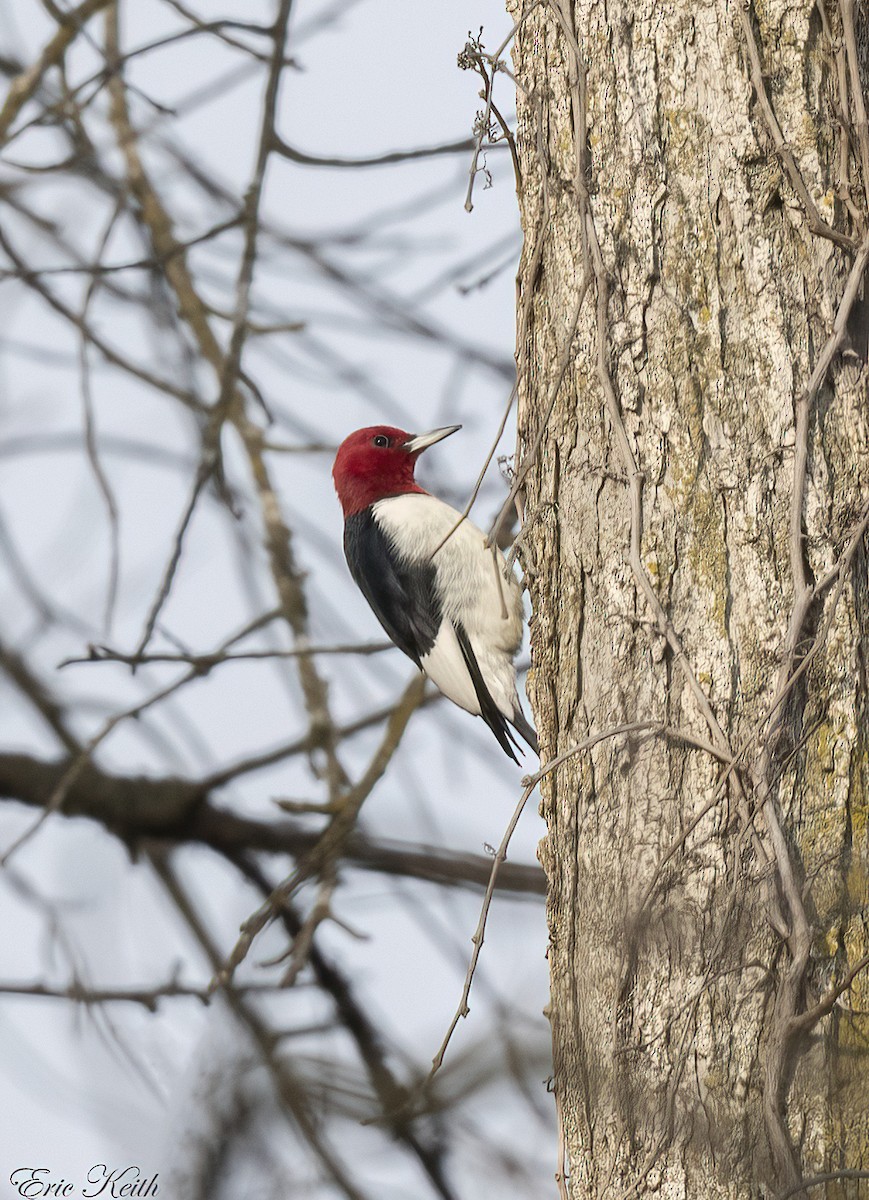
[{"x": 441, "y": 593}]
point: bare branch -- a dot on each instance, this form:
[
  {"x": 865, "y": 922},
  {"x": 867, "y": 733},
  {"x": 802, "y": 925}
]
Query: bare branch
[{"x": 25, "y": 85}]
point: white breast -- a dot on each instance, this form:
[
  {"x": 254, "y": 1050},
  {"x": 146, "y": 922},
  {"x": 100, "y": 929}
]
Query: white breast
[{"x": 474, "y": 590}]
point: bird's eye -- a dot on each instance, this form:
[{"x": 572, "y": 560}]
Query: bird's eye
[{"x": 381, "y": 440}]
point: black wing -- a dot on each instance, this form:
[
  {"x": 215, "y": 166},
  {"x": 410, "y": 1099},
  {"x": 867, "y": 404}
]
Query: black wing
[{"x": 402, "y": 595}]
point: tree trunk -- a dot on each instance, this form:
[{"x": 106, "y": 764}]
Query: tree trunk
[{"x": 691, "y": 351}]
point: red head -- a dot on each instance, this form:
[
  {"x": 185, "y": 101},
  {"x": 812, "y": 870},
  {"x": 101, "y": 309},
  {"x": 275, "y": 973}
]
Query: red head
[{"x": 377, "y": 462}]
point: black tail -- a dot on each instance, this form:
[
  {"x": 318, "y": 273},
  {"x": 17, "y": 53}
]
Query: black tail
[
  {"x": 524, "y": 729},
  {"x": 489, "y": 710}
]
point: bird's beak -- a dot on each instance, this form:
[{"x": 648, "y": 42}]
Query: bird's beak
[{"x": 422, "y": 441}]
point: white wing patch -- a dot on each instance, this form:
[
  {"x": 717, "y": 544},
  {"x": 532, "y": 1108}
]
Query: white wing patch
[
  {"x": 445, "y": 665},
  {"x": 489, "y": 607}
]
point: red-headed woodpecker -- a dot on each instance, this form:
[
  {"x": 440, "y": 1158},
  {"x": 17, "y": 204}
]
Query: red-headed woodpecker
[{"x": 440, "y": 593}]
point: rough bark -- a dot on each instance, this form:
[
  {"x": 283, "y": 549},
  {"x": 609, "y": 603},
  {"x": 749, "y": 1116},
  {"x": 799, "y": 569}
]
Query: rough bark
[{"x": 691, "y": 341}]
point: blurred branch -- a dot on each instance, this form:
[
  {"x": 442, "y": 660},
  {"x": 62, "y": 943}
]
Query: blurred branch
[
  {"x": 109, "y": 353},
  {"x": 138, "y": 809},
  {"x": 94, "y": 270},
  {"x": 25, "y": 85},
  {"x": 16, "y": 668},
  {"x": 217, "y": 29}
]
